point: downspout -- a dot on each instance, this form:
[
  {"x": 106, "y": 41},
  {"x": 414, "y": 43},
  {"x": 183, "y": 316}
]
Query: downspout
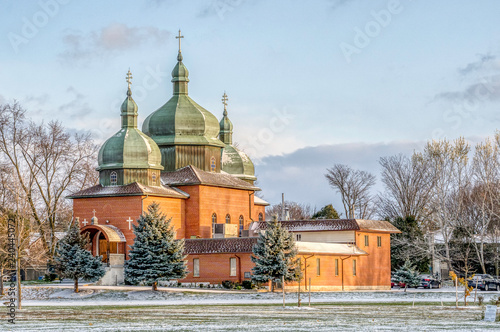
[
  {"x": 239, "y": 268},
  {"x": 142, "y": 203},
  {"x": 305, "y": 268},
  {"x": 343, "y": 259},
  {"x": 250, "y": 205}
]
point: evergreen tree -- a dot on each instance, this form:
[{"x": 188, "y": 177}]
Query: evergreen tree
[
  {"x": 156, "y": 254},
  {"x": 407, "y": 245},
  {"x": 407, "y": 275},
  {"x": 275, "y": 253},
  {"x": 74, "y": 261},
  {"x": 327, "y": 212}
]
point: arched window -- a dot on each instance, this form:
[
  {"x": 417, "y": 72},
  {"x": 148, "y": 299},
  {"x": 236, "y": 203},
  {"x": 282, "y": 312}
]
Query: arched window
[
  {"x": 241, "y": 220},
  {"x": 153, "y": 177},
  {"x": 113, "y": 178},
  {"x": 261, "y": 217},
  {"x": 214, "y": 218},
  {"x": 228, "y": 219}
]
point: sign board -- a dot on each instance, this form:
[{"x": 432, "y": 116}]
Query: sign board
[{"x": 490, "y": 313}]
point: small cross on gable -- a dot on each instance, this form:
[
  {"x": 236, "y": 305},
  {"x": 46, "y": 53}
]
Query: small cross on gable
[
  {"x": 130, "y": 220},
  {"x": 85, "y": 222}
]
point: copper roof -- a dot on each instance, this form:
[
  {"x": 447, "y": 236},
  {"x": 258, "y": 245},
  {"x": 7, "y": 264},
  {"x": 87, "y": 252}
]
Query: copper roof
[
  {"x": 112, "y": 233},
  {"x": 332, "y": 225},
  {"x": 213, "y": 246},
  {"x": 191, "y": 175},
  {"x": 133, "y": 189}
]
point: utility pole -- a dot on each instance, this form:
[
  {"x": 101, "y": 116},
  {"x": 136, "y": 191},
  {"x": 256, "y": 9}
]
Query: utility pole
[{"x": 282, "y": 207}]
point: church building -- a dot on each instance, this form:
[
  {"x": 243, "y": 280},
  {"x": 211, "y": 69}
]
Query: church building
[{"x": 184, "y": 159}]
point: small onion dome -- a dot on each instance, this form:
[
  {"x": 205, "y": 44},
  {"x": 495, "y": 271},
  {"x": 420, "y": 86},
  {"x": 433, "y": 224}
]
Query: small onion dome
[
  {"x": 181, "y": 120},
  {"x": 129, "y": 147},
  {"x": 237, "y": 163}
]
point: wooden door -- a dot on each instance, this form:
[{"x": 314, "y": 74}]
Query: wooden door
[{"x": 103, "y": 250}]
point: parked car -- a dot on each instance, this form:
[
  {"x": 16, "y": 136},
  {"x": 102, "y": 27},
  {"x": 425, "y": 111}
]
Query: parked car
[
  {"x": 484, "y": 282},
  {"x": 429, "y": 281}
]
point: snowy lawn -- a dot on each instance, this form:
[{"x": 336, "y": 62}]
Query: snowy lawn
[{"x": 53, "y": 309}]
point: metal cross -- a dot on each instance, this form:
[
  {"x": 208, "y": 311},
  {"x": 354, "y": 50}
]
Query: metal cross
[
  {"x": 129, "y": 222},
  {"x": 129, "y": 78},
  {"x": 85, "y": 222},
  {"x": 179, "y": 37},
  {"x": 224, "y": 100},
  {"x": 94, "y": 211}
]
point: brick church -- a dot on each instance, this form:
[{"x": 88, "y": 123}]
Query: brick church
[{"x": 184, "y": 159}]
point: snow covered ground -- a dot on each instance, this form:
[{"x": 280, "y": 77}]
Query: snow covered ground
[{"x": 140, "y": 309}]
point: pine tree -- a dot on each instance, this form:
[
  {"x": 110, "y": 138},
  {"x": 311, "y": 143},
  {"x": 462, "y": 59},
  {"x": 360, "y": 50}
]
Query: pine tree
[
  {"x": 407, "y": 275},
  {"x": 74, "y": 261},
  {"x": 327, "y": 212},
  {"x": 156, "y": 254},
  {"x": 275, "y": 253}
]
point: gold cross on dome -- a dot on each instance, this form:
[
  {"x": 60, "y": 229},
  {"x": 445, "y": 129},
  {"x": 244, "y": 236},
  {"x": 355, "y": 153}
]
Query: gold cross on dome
[
  {"x": 224, "y": 100},
  {"x": 179, "y": 37},
  {"x": 129, "y": 78},
  {"x": 94, "y": 211}
]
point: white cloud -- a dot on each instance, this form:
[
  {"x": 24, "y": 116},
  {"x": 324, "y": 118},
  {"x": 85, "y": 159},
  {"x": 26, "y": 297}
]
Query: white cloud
[{"x": 82, "y": 47}]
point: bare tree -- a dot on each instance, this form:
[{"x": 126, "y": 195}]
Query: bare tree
[
  {"x": 448, "y": 164},
  {"x": 407, "y": 183},
  {"x": 296, "y": 211},
  {"x": 354, "y": 188},
  {"x": 47, "y": 163}
]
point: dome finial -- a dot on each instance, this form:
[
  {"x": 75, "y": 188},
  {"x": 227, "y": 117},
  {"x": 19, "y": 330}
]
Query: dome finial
[
  {"x": 129, "y": 81},
  {"x": 179, "y": 56},
  {"x": 224, "y": 102}
]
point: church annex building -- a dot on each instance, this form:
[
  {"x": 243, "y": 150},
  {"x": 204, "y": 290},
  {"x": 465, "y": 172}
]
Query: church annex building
[{"x": 184, "y": 159}]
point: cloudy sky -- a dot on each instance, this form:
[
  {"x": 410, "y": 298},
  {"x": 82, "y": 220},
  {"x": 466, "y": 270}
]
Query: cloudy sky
[{"x": 310, "y": 84}]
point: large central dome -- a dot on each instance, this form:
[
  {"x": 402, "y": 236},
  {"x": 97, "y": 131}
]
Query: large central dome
[{"x": 185, "y": 132}]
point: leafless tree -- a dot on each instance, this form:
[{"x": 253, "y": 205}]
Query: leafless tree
[
  {"x": 354, "y": 189},
  {"x": 407, "y": 183},
  {"x": 47, "y": 163},
  {"x": 296, "y": 211},
  {"x": 449, "y": 165}
]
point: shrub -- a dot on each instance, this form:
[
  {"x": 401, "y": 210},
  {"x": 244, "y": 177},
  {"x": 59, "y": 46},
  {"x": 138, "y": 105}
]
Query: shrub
[
  {"x": 248, "y": 284},
  {"x": 480, "y": 300},
  {"x": 49, "y": 277},
  {"x": 228, "y": 284}
]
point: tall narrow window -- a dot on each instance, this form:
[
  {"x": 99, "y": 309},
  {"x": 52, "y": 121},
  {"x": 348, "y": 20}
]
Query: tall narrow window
[
  {"x": 196, "y": 267},
  {"x": 214, "y": 221},
  {"x": 379, "y": 241},
  {"x": 153, "y": 177},
  {"x": 261, "y": 217},
  {"x": 113, "y": 178},
  {"x": 241, "y": 221},
  {"x": 232, "y": 267},
  {"x": 336, "y": 267},
  {"x": 228, "y": 219},
  {"x": 318, "y": 266},
  {"x": 367, "y": 241},
  {"x": 354, "y": 267},
  {"x": 298, "y": 237}
]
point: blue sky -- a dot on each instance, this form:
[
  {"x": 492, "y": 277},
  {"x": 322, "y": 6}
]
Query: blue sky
[{"x": 310, "y": 84}]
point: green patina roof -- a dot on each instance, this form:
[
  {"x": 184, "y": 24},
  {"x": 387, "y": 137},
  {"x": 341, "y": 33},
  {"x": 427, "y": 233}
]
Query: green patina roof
[
  {"x": 129, "y": 147},
  {"x": 237, "y": 163},
  {"x": 181, "y": 120}
]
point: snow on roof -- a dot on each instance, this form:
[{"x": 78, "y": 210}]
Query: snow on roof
[
  {"x": 331, "y": 225},
  {"x": 259, "y": 201}
]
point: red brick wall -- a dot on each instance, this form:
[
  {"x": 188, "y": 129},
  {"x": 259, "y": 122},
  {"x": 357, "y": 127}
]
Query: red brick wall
[
  {"x": 117, "y": 210},
  {"x": 215, "y": 268},
  {"x": 205, "y": 200}
]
